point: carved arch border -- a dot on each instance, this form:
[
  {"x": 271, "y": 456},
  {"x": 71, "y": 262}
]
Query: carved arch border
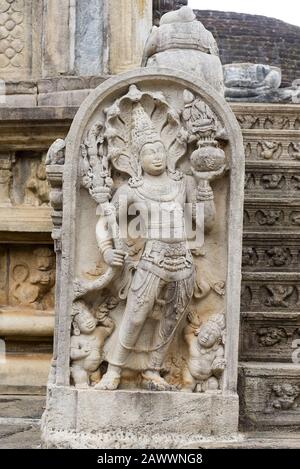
[{"x": 235, "y": 208}]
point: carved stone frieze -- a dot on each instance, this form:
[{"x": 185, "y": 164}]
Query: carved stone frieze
[
  {"x": 257, "y": 117},
  {"x": 261, "y": 214},
  {"x": 128, "y": 299},
  {"x": 29, "y": 280},
  {"x": 24, "y": 180},
  {"x": 276, "y": 405},
  {"x": 269, "y": 336},
  {"x": 270, "y": 292},
  {"x": 12, "y": 34},
  {"x": 264, "y": 255},
  {"x": 269, "y": 181}
]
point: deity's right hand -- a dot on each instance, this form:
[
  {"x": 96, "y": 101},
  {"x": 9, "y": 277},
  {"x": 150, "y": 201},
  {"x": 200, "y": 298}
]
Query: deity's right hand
[{"x": 114, "y": 257}]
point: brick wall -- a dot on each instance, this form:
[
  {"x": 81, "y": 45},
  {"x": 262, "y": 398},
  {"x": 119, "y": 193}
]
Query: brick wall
[{"x": 249, "y": 38}]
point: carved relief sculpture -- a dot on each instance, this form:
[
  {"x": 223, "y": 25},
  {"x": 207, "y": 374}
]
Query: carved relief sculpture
[
  {"x": 89, "y": 334},
  {"x": 206, "y": 361},
  {"x": 151, "y": 229},
  {"x": 165, "y": 271},
  {"x": 37, "y": 188}
]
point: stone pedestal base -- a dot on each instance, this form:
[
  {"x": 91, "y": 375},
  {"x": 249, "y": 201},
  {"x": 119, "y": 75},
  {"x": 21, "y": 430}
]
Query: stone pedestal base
[{"x": 136, "y": 419}]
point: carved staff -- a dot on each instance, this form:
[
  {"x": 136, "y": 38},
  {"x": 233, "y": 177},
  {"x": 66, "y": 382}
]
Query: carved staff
[{"x": 96, "y": 177}]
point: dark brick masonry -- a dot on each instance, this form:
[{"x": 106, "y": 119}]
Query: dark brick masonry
[{"x": 248, "y": 38}]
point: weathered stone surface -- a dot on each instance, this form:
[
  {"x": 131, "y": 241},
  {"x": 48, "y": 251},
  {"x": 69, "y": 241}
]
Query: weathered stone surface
[
  {"x": 133, "y": 88},
  {"x": 18, "y": 406},
  {"x": 25, "y": 219},
  {"x": 271, "y": 395},
  {"x": 28, "y": 436},
  {"x": 19, "y": 436},
  {"x": 246, "y": 81},
  {"x": 130, "y": 419},
  {"x": 130, "y": 22},
  {"x": 13, "y": 322},
  {"x": 160, "y": 7},
  {"x": 240, "y": 38},
  {"x": 21, "y": 45},
  {"x": 181, "y": 42},
  {"x": 257, "y": 83},
  {"x": 91, "y": 38},
  {"x": 63, "y": 98},
  {"x": 24, "y": 129},
  {"x": 24, "y": 374}
]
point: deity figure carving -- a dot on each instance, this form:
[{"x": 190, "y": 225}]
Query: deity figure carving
[
  {"x": 206, "y": 361},
  {"x": 5, "y": 179},
  {"x": 37, "y": 188},
  {"x": 56, "y": 153},
  {"x": 89, "y": 334},
  {"x": 34, "y": 282},
  {"x": 144, "y": 137}
]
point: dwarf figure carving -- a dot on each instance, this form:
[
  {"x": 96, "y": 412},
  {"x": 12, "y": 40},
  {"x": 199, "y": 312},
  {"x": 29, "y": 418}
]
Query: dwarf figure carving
[
  {"x": 206, "y": 361},
  {"x": 87, "y": 344}
]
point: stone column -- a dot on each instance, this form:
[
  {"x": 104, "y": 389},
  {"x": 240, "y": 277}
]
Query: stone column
[{"x": 130, "y": 22}]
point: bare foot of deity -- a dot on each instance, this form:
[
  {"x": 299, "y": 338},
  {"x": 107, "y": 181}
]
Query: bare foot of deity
[
  {"x": 110, "y": 380},
  {"x": 152, "y": 381}
]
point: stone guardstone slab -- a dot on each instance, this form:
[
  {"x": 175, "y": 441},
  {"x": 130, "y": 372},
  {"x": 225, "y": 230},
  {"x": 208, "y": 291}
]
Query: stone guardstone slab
[{"x": 147, "y": 212}]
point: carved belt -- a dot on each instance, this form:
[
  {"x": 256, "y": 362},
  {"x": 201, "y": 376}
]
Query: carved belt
[{"x": 173, "y": 257}]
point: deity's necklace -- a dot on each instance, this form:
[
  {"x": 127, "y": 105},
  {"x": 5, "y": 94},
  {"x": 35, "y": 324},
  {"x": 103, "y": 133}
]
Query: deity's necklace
[{"x": 152, "y": 191}]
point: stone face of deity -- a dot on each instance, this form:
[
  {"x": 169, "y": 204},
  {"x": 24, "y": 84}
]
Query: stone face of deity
[{"x": 153, "y": 158}]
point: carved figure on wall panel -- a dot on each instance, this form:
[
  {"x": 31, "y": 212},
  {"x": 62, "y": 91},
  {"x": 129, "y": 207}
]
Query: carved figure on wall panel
[
  {"x": 182, "y": 42},
  {"x": 269, "y": 150},
  {"x": 33, "y": 278},
  {"x": 270, "y": 336},
  {"x": 36, "y": 186}
]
